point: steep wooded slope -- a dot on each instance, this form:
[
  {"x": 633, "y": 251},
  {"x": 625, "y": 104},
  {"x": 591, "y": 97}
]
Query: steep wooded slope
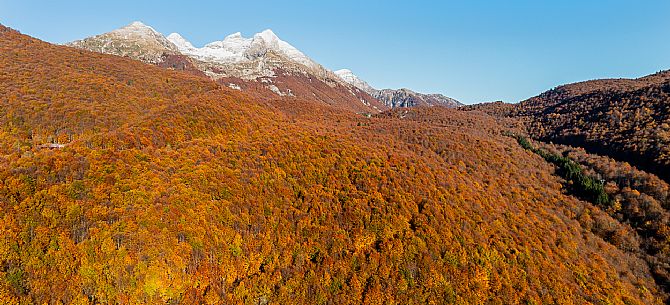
[
  {"x": 172, "y": 189},
  {"x": 627, "y": 119}
]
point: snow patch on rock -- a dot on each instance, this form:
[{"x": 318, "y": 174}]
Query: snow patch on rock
[
  {"x": 349, "y": 77},
  {"x": 236, "y": 49}
]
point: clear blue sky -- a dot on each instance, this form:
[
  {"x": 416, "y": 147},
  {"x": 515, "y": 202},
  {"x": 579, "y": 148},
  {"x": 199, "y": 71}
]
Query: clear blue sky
[{"x": 471, "y": 50}]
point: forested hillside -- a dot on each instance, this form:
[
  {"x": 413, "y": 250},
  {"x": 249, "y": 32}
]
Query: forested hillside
[
  {"x": 122, "y": 182},
  {"x": 618, "y": 129},
  {"x": 628, "y": 119}
]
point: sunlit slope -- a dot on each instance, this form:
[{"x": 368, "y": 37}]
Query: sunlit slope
[{"x": 169, "y": 189}]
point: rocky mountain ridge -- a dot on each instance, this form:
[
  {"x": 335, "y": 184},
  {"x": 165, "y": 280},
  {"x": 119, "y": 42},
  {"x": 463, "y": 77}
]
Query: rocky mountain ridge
[
  {"x": 398, "y": 97},
  {"x": 263, "y": 59},
  {"x": 136, "y": 40}
]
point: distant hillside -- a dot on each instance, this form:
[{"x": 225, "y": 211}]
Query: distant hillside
[{"x": 628, "y": 119}]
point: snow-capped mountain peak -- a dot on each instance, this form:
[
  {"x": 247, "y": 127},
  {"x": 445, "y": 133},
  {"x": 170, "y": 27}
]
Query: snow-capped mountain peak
[
  {"x": 351, "y": 78},
  {"x": 235, "y": 48},
  {"x": 136, "y": 40},
  {"x": 180, "y": 42},
  {"x": 268, "y": 40},
  {"x": 347, "y": 75},
  {"x": 268, "y": 35},
  {"x": 262, "y": 57},
  {"x": 137, "y": 28},
  {"x": 229, "y": 50},
  {"x": 236, "y": 35},
  {"x": 137, "y": 24},
  {"x": 344, "y": 72}
]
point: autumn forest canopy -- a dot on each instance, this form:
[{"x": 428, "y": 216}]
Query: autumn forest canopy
[{"x": 132, "y": 183}]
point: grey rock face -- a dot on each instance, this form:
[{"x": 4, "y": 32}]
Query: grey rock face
[
  {"x": 400, "y": 97},
  {"x": 408, "y": 98}
]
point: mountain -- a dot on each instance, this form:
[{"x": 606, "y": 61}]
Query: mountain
[
  {"x": 250, "y": 58},
  {"x": 136, "y": 40},
  {"x": 398, "y": 97},
  {"x": 408, "y": 98},
  {"x": 123, "y": 182},
  {"x": 351, "y": 78},
  {"x": 263, "y": 63},
  {"x": 264, "y": 58},
  {"x": 235, "y": 48}
]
